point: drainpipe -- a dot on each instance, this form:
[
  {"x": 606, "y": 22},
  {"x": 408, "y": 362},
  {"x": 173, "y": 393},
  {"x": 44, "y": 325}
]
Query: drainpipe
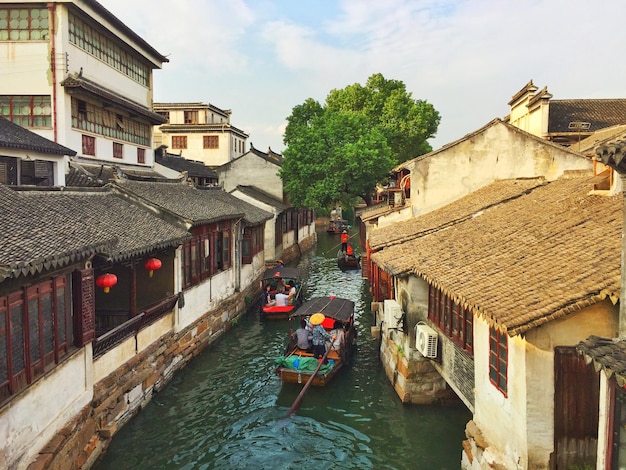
[{"x": 53, "y": 67}]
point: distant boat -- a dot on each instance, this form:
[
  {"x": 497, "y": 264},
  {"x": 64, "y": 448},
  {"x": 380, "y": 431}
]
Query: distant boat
[
  {"x": 298, "y": 365},
  {"x": 347, "y": 262},
  {"x": 337, "y": 226},
  {"x": 271, "y": 277}
]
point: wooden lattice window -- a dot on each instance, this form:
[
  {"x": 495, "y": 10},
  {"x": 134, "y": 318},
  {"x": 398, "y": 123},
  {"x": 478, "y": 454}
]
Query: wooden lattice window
[
  {"x": 118, "y": 150},
  {"x": 498, "y": 359},
  {"x": 89, "y": 145},
  {"x": 179, "y": 142},
  {"x": 211, "y": 142}
]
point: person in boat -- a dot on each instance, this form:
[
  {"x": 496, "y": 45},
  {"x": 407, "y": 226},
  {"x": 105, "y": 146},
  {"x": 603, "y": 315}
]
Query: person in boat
[
  {"x": 281, "y": 299},
  {"x": 349, "y": 251},
  {"x": 344, "y": 240},
  {"x": 279, "y": 263},
  {"x": 319, "y": 336},
  {"x": 280, "y": 285},
  {"x": 267, "y": 296},
  {"x": 291, "y": 296},
  {"x": 338, "y": 334},
  {"x": 303, "y": 336}
]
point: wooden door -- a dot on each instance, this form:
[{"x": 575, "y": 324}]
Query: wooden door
[{"x": 576, "y": 402}]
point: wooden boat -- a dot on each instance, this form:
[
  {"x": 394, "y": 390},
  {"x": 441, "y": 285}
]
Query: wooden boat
[
  {"x": 271, "y": 277},
  {"x": 298, "y": 365},
  {"x": 347, "y": 262},
  {"x": 337, "y": 226}
]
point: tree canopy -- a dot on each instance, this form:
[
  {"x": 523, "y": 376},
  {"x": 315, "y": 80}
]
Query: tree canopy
[{"x": 338, "y": 152}]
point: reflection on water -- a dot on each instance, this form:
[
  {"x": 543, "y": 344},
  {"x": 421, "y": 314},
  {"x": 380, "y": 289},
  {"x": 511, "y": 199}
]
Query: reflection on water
[{"x": 226, "y": 409}]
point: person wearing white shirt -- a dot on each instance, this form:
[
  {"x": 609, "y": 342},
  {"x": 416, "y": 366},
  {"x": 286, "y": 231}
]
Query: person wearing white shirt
[{"x": 281, "y": 300}]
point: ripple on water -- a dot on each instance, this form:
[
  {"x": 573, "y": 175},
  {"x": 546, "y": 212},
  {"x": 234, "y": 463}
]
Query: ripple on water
[{"x": 226, "y": 409}]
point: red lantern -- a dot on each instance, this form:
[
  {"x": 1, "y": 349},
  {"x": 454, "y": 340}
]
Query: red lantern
[
  {"x": 106, "y": 281},
  {"x": 152, "y": 265}
]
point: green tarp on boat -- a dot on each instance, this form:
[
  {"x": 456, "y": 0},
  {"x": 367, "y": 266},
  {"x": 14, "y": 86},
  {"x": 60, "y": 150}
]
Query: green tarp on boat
[{"x": 303, "y": 364}]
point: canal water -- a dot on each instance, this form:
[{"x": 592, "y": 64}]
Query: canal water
[{"x": 226, "y": 409}]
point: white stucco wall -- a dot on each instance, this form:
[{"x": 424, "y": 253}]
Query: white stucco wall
[
  {"x": 252, "y": 170},
  {"x": 498, "y": 152},
  {"x": 520, "y": 426},
  {"x": 204, "y": 297},
  {"x": 34, "y": 418}
]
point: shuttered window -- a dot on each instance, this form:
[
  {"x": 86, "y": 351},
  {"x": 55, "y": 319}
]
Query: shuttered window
[{"x": 35, "y": 333}]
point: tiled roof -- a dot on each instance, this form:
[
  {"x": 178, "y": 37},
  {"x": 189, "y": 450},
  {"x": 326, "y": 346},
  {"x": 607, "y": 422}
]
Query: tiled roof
[
  {"x": 271, "y": 157},
  {"x": 603, "y": 136},
  {"x": 16, "y": 137},
  {"x": 527, "y": 261},
  {"x": 453, "y": 213},
  {"x": 136, "y": 230},
  {"x": 192, "y": 167},
  {"x": 262, "y": 196},
  {"x": 86, "y": 173},
  {"x": 36, "y": 237},
  {"x": 379, "y": 210},
  {"x": 599, "y": 113},
  {"x": 252, "y": 215},
  {"x": 197, "y": 206},
  {"x": 612, "y": 153},
  {"x": 606, "y": 354},
  {"x": 75, "y": 81}
]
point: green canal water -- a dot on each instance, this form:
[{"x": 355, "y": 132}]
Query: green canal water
[{"x": 226, "y": 409}]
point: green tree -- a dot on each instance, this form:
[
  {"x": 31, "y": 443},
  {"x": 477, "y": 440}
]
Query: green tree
[{"x": 338, "y": 152}]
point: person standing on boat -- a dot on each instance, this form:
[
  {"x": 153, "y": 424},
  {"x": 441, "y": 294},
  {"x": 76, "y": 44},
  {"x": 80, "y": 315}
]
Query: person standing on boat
[
  {"x": 319, "y": 336},
  {"x": 303, "y": 336},
  {"x": 344, "y": 240}
]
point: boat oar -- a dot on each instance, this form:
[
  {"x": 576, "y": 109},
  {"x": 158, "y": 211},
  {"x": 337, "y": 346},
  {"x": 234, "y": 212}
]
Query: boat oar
[
  {"x": 339, "y": 244},
  {"x": 298, "y": 401}
]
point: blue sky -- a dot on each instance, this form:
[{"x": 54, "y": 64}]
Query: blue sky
[{"x": 260, "y": 58}]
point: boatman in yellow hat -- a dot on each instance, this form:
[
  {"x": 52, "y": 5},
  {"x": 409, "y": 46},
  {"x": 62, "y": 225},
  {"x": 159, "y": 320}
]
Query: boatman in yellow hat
[{"x": 319, "y": 336}]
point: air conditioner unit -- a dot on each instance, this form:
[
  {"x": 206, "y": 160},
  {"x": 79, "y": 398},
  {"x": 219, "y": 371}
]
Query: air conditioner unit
[
  {"x": 393, "y": 313},
  {"x": 426, "y": 340}
]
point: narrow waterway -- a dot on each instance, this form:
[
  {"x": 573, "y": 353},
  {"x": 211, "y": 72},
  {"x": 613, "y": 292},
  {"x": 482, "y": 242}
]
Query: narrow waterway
[{"x": 226, "y": 409}]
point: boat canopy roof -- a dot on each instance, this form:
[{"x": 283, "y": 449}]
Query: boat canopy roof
[
  {"x": 332, "y": 307},
  {"x": 281, "y": 271}
]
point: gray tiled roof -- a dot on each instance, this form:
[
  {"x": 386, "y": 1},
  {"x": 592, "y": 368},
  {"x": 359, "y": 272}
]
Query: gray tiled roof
[
  {"x": 193, "y": 168},
  {"x": 606, "y": 354},
  {"x": 196, "y": 205},
  {"x": 599, "y": 113},
  {"x": 135, "y": 230},
  {"x": 270, "y": 156},
  {"x": 262, "y": 196},
  {"x": 16, "y": 137},
  {"x": 524, "y": 262},
  {"x": 87, "y": 173},
  {"x": 36, "y": 237}
]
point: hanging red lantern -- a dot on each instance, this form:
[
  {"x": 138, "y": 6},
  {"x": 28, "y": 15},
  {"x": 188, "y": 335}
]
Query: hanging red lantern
[
  {"x": 152, "y": 265},
  {"x": 106, "y": 281}
]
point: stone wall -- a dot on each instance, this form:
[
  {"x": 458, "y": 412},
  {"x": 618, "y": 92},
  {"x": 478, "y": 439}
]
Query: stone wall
[
  {"x": 414, "y": 379},
  {"x": 122, "y": 394}
]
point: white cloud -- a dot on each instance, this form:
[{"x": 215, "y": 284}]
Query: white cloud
[{"x": 261, "y": 58}]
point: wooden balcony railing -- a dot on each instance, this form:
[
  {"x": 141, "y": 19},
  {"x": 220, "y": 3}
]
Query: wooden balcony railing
[{"x": 131, "y": 327}]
